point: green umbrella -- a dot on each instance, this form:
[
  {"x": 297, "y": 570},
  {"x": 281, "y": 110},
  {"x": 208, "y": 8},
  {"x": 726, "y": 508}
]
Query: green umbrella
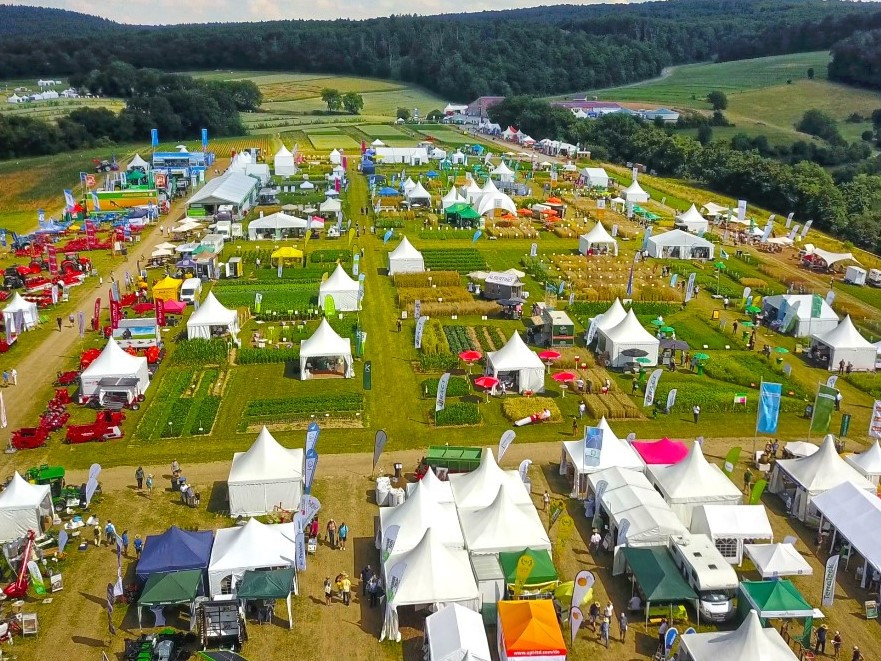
[
  {"x": 701, "y": 356},
  {"x": 781, "y": 350},
  {"x": 747, "y": 324},
  {"x": 643, "y": 360},
  {"x": 657, "y": 322},
  {"x": 720, "y": 265},
  {"x": 668, "y": 329},
  {"x": 752, "y": 309}
]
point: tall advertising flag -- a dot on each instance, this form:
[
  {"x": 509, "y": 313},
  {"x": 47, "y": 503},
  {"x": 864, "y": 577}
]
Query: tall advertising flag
[
  {"x": 504, "y": 443},
  {"x": 204, "y": 139},
  {"x": 671, "y": 399},
  {"x": 387, "y": 236},
  {"x": 593, "y": 446},
  {"x": 96, "y": 203},
  {"x": 417, "y": 309},
  {"x": 630, "y": 282},
  {"x": 769, "y": 408},
  {"x": 824, "y": 404},
  {"x": 154, "y": 137},
  {"x": 576, "y": 618},
  {"x": 160, "y": 313},
  {"x": 875, "y": 420},
  {"x": 420, "y": 328},
  {"x": 689, "y": 287},
  {"x": 766, "y": 234},
  {"x": 804, "y": 230},
  {"x": 378, "y": 446},
  {"x": 741, "y": 210},
  {"x": 69, "y": 202},
  {"x": 311, "y": 467},
  {"x": 312, "y": 433},
  {"x": 650, "y": 387},
  {"x": 581, "y": 587},
  {"x": 829, "y": 580},
  {"x": 440, "y": 401},
  {"x": 646, "y": 237}
]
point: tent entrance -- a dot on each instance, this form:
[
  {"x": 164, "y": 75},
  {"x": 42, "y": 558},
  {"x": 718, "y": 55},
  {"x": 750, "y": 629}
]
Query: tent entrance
[
  {"x": 113, "y": 389},
  {"x": 319, "y": 367},
  {"x": 510, "y": 379}
]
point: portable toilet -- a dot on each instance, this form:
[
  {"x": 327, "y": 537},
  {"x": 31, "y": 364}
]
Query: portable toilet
[
  {"x": 234, "y": 267},
  {"x": 855, "y": 275}
]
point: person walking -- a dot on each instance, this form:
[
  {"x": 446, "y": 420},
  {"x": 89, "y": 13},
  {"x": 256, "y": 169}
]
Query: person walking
[
  {"x": 97, "y": 532},
  {"x": 347, "y": 590},
  {"x": 139, "y": 546},
  {"x": 5, "y": 378},
  {"x": 820, "y": 646},
  {"x": 574, "y": 426},
  {"x": 373, "y": 590},
  {"x": 734, "y": 327},
  {"x": 110, "y": 532},
  {"x": 70, "y": 319},
  {"x": 836, "y": 645},
  {"x": 696, "y": 411},
  {"x": 662, "y": 634},
  {"x": 747, "y": 481},
  {"x": 328, "y": 591},
  {"x": 593, "y": 614},
  {"x": 841, "y": 367},
  {"x": 139, "y": 477},
  {"x": 582, "y": 409},
  {"x": 150, "y": 484},
  {"x": 59, "y": 321},
  {"x": 344, "y": 534},
  {"x": 604, "y": 631},
  {"x": 545, "y": 501},
  {"x": 400, "y": 325},
  {"x": 125, "y": 543},
  {"x": 622, "y": 625},
  {"x": 857, "y": 655},
  {"x": 838, "y": 399},
  {"x": 366, "y": 575},
  {"x": 331, "y": 533},
  {"x": 13, "y": 374}
]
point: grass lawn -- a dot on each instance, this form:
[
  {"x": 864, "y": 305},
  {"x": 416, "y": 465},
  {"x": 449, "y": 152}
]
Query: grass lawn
[{"x": 329, "y": 141}]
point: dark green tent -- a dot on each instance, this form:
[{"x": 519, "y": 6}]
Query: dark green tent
[
  {"x": 543, "y": 572},
  {"x": 171, "y": 588},
  {"x": 273, "y": 584},
  {"x": 462, "y": 214},
  {"x": 777, "y": 599},
  {"x": 658, "y": 577}
]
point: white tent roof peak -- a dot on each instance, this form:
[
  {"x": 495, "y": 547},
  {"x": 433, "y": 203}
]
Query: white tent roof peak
[
  {"x": 18, "y": 303},
  {"x": 212, "y": 311},
  {"x": 823, "y": 470},
  {"x": 628, "y": 330},
  {"x": 868, "y": 462},
  {"x": 325, "y": 341},
  {"x": 489, "y": 186},
  {"x": 749, "y": 641},
  {"x": 21, "y": 493},
  {"x": 418, "y": 192},
  {"x": 612, "y": 317},
  {"x": 503, "y": 525},
  {"x": 405, "y": 250},
  {"x": 503, "y": 169},
  {"x": 845, "y": 335},
  {"x": 695, "y": 477},
  {"x": 113, "y": 360},
  {"x": 339, "y": 279},
  {"x": 634, "y": 189},
  {"x": 456, "y": 633},
  {"x": 691, "y": 216},
  {"x": 266, "y": 460},
  {"x": 137, "y": 162},
  {"x": 775, "y": 560},
  {"x": 480, "y": 487},
  {"x": 254, "y": 545},
  {"x": 283, "y": 151},
  {"x": 409, "y": 184},
  {"x": 515, "y": 354},
  {"x": 472, "y": 187},
  {"x": 598, "y": 234}
]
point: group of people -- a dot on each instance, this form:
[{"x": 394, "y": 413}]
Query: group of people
[
  {"x": 10, "y": 376},
  {"x": 108, "y": 535},
  {"x": 337, "y": 535},
  {"x": 371, "y": 587}
]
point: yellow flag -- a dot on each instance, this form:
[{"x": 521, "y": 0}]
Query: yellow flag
[
  {"x": 524, "y": 569},
  {"x": 565, "y": 528},
  {"x": 351, "y": 236}
]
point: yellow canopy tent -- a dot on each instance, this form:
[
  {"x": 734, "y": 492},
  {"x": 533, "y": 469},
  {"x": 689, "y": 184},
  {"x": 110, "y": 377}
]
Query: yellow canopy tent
[
  {"x": 286, "y": 255},
  {"x": 166, "y": 289}
]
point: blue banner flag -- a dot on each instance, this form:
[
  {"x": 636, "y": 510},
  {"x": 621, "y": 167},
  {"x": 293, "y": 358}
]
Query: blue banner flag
[
  {"x": 476, "y": 236},
  {"x": 154, "y": 137},
  {"x": 69, "y": 202},
  {"x": 630, "y": 282},
  {"x": 646, "y": 237},
  {"x": 387, "y": 236},
  {"x": 204, "y": 139},
  {"x": 560, "y": 288},
  {"x": 769, "y": 408}
]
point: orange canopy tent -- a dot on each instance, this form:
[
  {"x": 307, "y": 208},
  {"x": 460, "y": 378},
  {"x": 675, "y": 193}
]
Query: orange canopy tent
[
  {"x": 529, "y": 629},
  {"x": 524, "y": 212},
  {"x": 555, "y": 200}
]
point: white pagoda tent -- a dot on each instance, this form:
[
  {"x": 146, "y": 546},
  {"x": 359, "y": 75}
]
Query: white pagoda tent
[
  {"x": 503, "y": 526},
  {"x": 807, "y": 477},
  {"x": 749, "y": 641},
  {"x": 628, "y": 334},
  {"x": 335, "y": 157},
  {"x": 473, "y": 193},
  {"x": 418, "y": 195},
  {"x": 776, "y": 560},
  {"x": 428, "y": 574},
  {"x": 284, "y": 162},
  {"x": 517, "y": 359},
  {"x": 19, "y": 312},
  {"x": 405, "y": 259},
  {"x": 615, "y": 452},
  {"x": 342, "y": 289},
  {"x": 24, "y": 506},
  {"x": 844, "y": 342},
  {"x": 115, "y": 371},
  {"x": 326, "y": 346},
  {"x": 691, "y": 482},
  {"x": 597, "y": 236},
  {"x": 868, "y": 463},
  {"x": 611, "y": 317},
  {"x": 634, "y": 193},
  {"x": 692, "y": 221},
  {"x": 408, "y": 185},
  {"x": 481, "y": 486},
  {"x": 211, "y": 318},
  {"x": 266, "y": 476},
  {"x": 252, "y": 546},
  {"x": 420, "y": 512},
  {"x": 502, "y": 172},
  {"x": 138, "y": 162},
  {"x": 729, "y": 526},
  {"x": 330, "y": 205},
  {"x": 455, "y": 633},
  {"x": 452, "y": 198}
]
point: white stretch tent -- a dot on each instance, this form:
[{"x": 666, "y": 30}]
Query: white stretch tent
[
  {"x": 798, "y": 309},
  {"x": 714, "y": 209},
  {"x": 326, "y": 343},
  {"x": 844, "y": 342},
  {"x": 811, "y": 476},
  {"x": 692, "y": 221},
  {"x": 22, "y": 508},
  {"x": 212, "y": 315},
  {"x": 832, "y": 257},
  {"x": 678, "y": 244},
  {"x": 254, "y": 545},
  {"x": 515, "y": 356},
  {"x": 284, "y": 162},
  {"x": 595, "y": 177},
  {"x": 729, "y": 525},
  {"x": 800, "y": 448},
  {"x": 749, "y": 641},
  {"x": 855, "y": 514},
  {"x": 635, "y": 193},
  {"x": 115, "y": 371},
  {"x": 776, "y": 560},
  {"x": 597, "y": 236},
  {"x": 405, "y": 259},
  {"x": 428, "y": 574},
  {"x": 266, "y": 476},
  {"x": 691, "y": 482},
  {"x": 628, "y": 334},
  {"x": 455, "y": 633},
  {"x": 481, "y": 486},
  {"x": 276, "y": 225},
  {"x": 615, "y": 452},
  {"x": 868, "y": 463},
  {"x": 420, "y": 512},
  {"x": 503, "y": 526},
  {"x": 342, "y": 289},
  {"x": 492, "y": 200},
  {"x": 25, "y": 310}
]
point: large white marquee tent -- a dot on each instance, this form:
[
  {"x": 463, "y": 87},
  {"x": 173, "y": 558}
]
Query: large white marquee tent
[
  {"x": 518, "y": 359},
  {"x": 23, "y": 507},
  {"x": 405, "y": 259},
  {"x": 115, "y": 371},
  {"x": 342, "y": 289},
  {"x": 868, "y": 462},
  {"x": 19, "y": 312},
  {"x": 276, "y": 226},
  {"x": 844, "y": 342},
  {"x": 266, "y": 476},
  {"x": 799, "y": 308},
  {"x": 628, "y": 334},
  {"x": 210, "y": 317},
  {"x": 678, "y": 244},
  {"x": 326, "y": 343}
]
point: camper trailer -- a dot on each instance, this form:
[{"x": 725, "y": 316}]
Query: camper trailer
[{"x": 708, "y": 573}]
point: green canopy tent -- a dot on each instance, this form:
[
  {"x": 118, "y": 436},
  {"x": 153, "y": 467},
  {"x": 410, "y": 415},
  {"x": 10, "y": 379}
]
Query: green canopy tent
[
  {"x": 654, "y": 571},
  {"x": 543, "y": 576},
  {"x": 462, "y": 214},
  {"x": 272, "y": 584},
  {"x": 777, "y": 599},
  {"x": 171, "y": 589}
]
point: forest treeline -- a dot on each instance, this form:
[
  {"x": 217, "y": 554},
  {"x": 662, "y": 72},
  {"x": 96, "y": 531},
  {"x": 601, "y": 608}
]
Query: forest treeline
[
  {"x": 177, "y": 105},
  {"x": 540, "y": 51},
  {"x": 849, "y": 208}
]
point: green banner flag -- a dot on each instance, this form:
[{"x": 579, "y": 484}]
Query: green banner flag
[
  {"x": 823, "y": 407},
  {"x": 845, "y": 425},
  {"x": 755, "y": 496},
  {"x": 368, "y": 375},
  {"x": 329, "y": 306},
  {"x": 816, "y": 306},
  {"x": 731, "y": 461}
]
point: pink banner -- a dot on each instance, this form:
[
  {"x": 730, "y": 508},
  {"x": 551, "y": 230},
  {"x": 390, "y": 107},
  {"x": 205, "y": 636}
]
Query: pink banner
[
  {"x": 160, "y": 312},
  {"x": 96, "y": 319}
]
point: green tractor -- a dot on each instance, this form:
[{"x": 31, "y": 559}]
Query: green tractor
[{"x": 54, "y": 477}]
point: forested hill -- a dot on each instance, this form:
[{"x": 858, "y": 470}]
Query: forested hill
[
  {"x": 20, "y": 21},
  {"x": 538, "y": 51}
]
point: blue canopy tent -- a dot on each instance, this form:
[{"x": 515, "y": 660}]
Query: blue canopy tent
[
  {"x": 186, "y": 263},
  {"x": 387, "y": 191},
  {"x": 432, "y": 174},
  {"x": 175, "y": 550}
]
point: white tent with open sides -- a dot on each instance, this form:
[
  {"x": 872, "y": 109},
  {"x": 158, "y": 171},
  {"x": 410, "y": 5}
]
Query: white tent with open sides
[
  {"x": 20, "y": 315},
  {"x": 455, "y": 633},
  {"x": 597, "y": 237},
  {"x": 23, "y": 507},
  {"x": 628, "y": 334},
  {"x": 515, "y": 358},
  {"x": 615, "y": 452},
  {"x": 776, "y": 560},
  {"x": 212, "y": 318},
  {"x": 327, "y": 347},
  {"x": 342, "y": 289},
  {"x": 115, "y": 371},
  {"x": 405, "y": 259},
  {"x": 635, "y": 193},
  {"x": 844, "y": 342},
  {"x": 266, "y": 476},
  {"x": 868, "y": 463}
]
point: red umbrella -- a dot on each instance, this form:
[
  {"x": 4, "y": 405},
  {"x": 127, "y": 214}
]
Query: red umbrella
[
  {"x": 564, "y": 377},
  {"x": 486, "y": 382},
  {"x": 470, "y": 356},
  {"x": 549, "y": 354}
]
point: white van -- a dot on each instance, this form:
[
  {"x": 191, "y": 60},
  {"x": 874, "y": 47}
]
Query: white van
[
  {"x": 190, "y": 290},
  {"x": 705, "y": 569}
]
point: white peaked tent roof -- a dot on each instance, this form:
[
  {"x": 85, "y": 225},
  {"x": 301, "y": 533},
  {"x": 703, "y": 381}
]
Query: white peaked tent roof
[
  {"x": 325, "y": 342},
  {"x": 283, "y": 151},
  {"x": 489, "y": 186},
  {"x": 19, "y": 304},
  {"x": 377, "y": 143},
  {"x": 254, "y": 545},
  {"x": 502, "y": 169},
  {"x": 694, "y": 479},
  {"x": 503, "y": 526},
  {"x": 868, "y": 462},
  {"x": 212, "y": 313},
  {"x": 691, "y": 216},
  {"x": 481, "y": 486},
  {"x": 334, "y": 152},
  {"x": 823, "y": 470},
  {"x": 749, "y": 641},
  {"x": 405, "y": 250},
  {"x": 845, "y": 336},
  {"x": 496, "y": 200},
  {"x": 266, "y": 461},
  {"x": 611, "y": 317},
  {"x": 434, "y": 574},
  {"x": 614, "y": 452},
  {"x": 22, "y": 505},
  {"x": 857, "y": 516},
  {"x": 634, "y": 189},
  {"x": 339, "y": 280},
  {"x": 440, "y": 491},
  {"x": 418, "y": 192},
  {"x": 472, "y": 187},
  {"x": 137, "y": 162},
  {"x": 456, "y": 633},
  {"x": 629, "y": 330},
  {"x": 409, "y": 184},
  {"x": 732, "y": 521},
  {"x": 773, "y": 560},
  {"x": 420, "y": 512},
  {"x": 452, "y": 198},
  {"x": 330, "y": 205},
  {"x": 598, "y": 234},
  {"x": 514, "y": 355},
  {"x": 113, "y": 361},
  {"x": 20, "y": 494}
]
